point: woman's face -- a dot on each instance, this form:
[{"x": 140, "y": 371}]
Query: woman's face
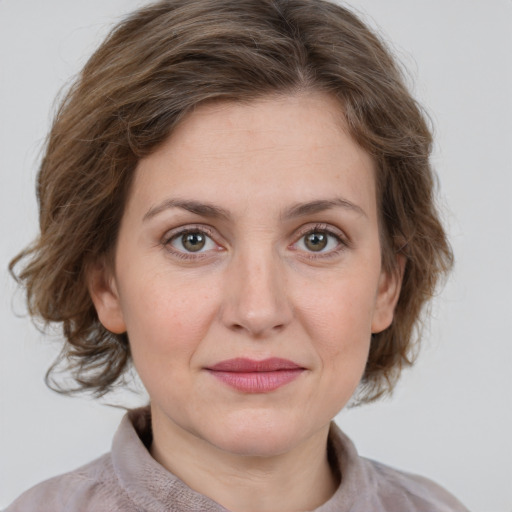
[{"x": 248, "y": 273}]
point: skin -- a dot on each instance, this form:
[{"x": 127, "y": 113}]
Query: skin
[{"x": 255, "y": 290}]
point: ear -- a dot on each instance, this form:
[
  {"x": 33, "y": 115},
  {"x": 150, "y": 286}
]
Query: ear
[
  {"x": 388, "y": 293},
  {"x": 105, "y": 297}
]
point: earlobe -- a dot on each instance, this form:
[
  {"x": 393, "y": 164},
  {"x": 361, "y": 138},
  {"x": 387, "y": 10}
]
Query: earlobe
[
  {"x": 390, "y": 284},
  {"x": 105, "y": 297}
]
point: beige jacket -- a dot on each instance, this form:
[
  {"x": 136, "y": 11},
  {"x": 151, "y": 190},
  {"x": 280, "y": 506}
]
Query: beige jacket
[{"x": 128, "y": 479}]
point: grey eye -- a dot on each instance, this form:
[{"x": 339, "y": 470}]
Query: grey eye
[
  {"x": 192, "y": 241},
  {"x": 316, "y": 241}
]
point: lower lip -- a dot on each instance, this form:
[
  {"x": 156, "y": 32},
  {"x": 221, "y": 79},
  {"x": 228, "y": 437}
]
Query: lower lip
[{"x": 257, "y": 382}]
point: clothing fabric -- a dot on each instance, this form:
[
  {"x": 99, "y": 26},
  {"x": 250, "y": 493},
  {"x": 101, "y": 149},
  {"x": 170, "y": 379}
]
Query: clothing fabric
[{"x": 128, "y": 479}]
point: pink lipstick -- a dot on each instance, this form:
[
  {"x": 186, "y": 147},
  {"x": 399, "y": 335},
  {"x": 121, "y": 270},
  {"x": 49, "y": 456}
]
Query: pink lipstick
[{"x": 251, "y": 376}]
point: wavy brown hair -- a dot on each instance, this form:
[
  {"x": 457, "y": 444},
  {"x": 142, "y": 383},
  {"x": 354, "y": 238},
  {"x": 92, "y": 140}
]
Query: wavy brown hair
[{"x": 154, "y": 68}]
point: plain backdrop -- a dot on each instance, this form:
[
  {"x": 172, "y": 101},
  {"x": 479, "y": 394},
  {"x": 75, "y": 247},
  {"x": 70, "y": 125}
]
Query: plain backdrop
[{"x": 451, "y": 416}]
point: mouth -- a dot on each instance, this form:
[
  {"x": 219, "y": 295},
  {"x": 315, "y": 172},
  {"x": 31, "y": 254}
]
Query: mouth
[{"x": 250, "y": 376}]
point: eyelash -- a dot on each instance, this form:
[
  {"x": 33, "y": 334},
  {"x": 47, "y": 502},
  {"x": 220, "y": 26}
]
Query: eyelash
[{"x": 191, "y": 256}]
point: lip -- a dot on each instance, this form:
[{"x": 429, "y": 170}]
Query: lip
[{"x": 251, "y": 376}]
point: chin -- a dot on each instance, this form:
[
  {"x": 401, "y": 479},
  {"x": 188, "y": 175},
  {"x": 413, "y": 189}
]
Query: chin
[{"x": 257, "y": 435}]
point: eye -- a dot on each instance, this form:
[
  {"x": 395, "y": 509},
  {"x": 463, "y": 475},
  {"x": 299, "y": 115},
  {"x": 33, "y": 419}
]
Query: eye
[
  {"x": 192, "y": 241},
  {"x": 318, "y": 240}
]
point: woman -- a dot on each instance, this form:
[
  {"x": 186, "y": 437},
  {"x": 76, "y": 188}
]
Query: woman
[{"x": 237, "y": 198}]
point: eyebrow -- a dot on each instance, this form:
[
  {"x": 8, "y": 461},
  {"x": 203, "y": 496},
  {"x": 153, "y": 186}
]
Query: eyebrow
[
  {"x": 199, "y": 208},
  {"x": 303, "y": 209},
  {"x": 213, "y": 211}
]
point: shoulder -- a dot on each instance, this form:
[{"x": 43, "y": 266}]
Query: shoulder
[
  {"x": 92, "y": 487},
  {"x": 369, "y": 485},
  {"x": 414, "y": 492}
]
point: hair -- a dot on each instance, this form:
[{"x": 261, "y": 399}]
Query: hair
[{"x": 156, "y": 66}]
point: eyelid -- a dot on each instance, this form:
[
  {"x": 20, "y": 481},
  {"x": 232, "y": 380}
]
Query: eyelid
[
  {"x": 188, "y": 228},
  {"x": 321, "y": 226}
]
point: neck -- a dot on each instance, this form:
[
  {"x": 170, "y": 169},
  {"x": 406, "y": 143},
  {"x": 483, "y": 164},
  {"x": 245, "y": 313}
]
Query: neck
[{"x": 293, "y": 481}]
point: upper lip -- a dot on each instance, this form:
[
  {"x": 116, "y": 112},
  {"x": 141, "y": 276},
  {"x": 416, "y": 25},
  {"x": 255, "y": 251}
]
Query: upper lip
[{"x": 244, "y": 365}]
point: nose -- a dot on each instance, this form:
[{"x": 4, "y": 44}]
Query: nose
[{"x": 256, "y": 299}]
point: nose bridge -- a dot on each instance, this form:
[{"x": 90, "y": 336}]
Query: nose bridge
[{"x": 256, "y": 299}]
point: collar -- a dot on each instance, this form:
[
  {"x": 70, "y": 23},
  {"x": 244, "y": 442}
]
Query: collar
[{"x": 151, "y": 487}]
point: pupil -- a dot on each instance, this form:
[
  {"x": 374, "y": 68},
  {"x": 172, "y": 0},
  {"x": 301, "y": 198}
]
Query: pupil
[
  {"x": 316, "y": 241},
  {"x": 193, "y": 241}
]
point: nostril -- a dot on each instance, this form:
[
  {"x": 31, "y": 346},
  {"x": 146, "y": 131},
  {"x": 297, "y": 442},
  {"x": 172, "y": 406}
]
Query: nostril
[{"x": 257, "y": 331}]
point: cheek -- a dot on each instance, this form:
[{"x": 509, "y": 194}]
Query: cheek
[
  {"x": 166, "y": 322},
  {"x": 339, "y": 313},
  {"x": 343, "y": 336}
]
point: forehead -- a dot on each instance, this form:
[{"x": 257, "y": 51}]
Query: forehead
[
  {"x": 273, "y": 123},
  {"x": 274, "y": 149}
]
